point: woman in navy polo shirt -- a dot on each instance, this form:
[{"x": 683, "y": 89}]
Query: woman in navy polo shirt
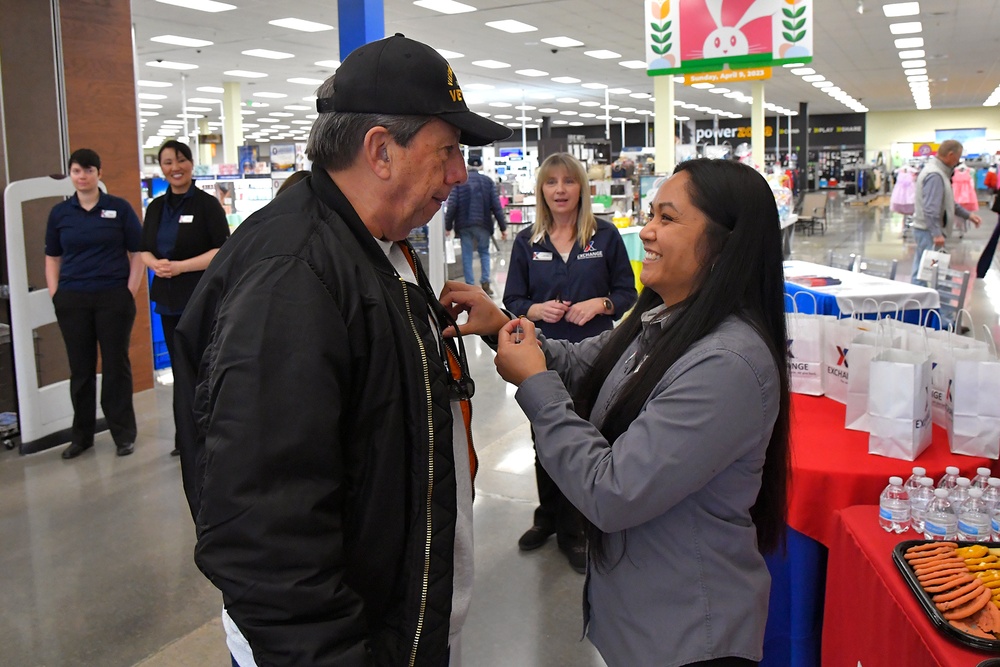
[
  {"x": 570, "y": 274},
  {"x": 184, "y": 228},
  {"x": 93, "y": 271}
]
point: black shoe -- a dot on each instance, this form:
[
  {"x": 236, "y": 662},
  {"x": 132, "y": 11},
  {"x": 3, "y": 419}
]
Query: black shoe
[
  {"x": 175, "y": 452},
  {"x": 75, "y": 449},
  {"x": 125, "y": 448},
  {"x": 486, "y": 287},
  {"x": 577, "y": 557},
  {"x": 533, "y": 538}
]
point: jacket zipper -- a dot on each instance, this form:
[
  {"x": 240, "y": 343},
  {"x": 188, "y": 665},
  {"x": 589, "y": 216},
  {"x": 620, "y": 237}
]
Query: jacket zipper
[{"x": 430, "y": 477}]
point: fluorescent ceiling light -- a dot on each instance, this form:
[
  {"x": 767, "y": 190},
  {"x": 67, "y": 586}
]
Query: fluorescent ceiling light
[
  {"x": 449, "y": 55},
  {"x": 267, "y": 53},
  {"x": 560, "y": 122},
  {"x": 301, "y": 25},
  {"x": 908, "y": 28},
  {"x": 305, "y": 81},
  {"x": 567, "y": 113},
  {"x": 548, "y": 111},
  {"x": 501, "y": 105},
  {"x": 594, "y": 86},
  {"x": 510, "y": 25},
  {"x": 490, "y": 64},
  {"x": 148, "y": 113},
  {"x": 281, "y": 114},
  {"x": 633, "y": 64},
  {"x": 297, "y": 107},
  {"x": 588, "y": 115},
  {"x": 565, "y": 79},
  {"x": 909, "y": 43},
  {"x": 703, "y": 86},
  {"x": 531, "y": 72},
  {"x": 590, "y": 104},
  {"x": 445, "y": 6},
  {"x": 907, "y": 64},
  {"x": 917, "y": 78},
  {"x": 274, "y": 96},
  {"x": 564, "y": 42},
  {"x": 823, "y": 84},
  {"x": 211, "y": 89},
  {"x": 567, "y": 100},
  {"x": 627, "y": 109},
  {"x": 793, "y": 65},
  {"x": 916, "y": 53},
  {"x": 918, "y": 70},
  {"x": 151, "y": 96},
  {"x": 181, "y": 41},
  {"x": 604, "y": 117},
  {"x": 719, "y": 91},
  {"x": 802, "y": 71},
  {"x": 602, "y": 54},
  {"x": 735, "y": 95},
  {"x": 525, "y": 107},
  {"x": 640, "y": 96},
  {"x": 901, "y": 9},
  {"x": 200, "y": 5},
  {"x": 332, "y": 64},
  {"x": 609, "y": 107},
  {"x": 145, "y": 83},
  {"x": 619, "y": 91},
  {"x": 246, "y": 74},
  {"x": 190, "y": 115},
  {"x": 813, "y": 77},
  {"x": 169, "y": 64},
  {"x": 199, "y": 109},
  {"x": 204, "y": 100},
  {"x": 268, "y": 120},
  {"x": 479, "y": 86}
]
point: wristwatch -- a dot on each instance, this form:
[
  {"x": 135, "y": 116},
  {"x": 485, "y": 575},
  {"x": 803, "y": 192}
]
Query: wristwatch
[{"x": 608, "y": 305}]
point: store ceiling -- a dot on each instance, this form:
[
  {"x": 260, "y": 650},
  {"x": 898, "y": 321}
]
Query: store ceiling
[{"x": 854, "y": 51}]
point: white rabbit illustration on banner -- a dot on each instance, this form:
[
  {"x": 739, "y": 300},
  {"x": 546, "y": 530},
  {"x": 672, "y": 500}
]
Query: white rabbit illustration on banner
[{"x": 726, "y": 41}]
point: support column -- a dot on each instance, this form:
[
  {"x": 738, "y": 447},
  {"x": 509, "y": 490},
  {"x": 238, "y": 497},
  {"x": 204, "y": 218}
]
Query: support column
[
  {"x": 802, "y": 146},
  {"x": 204, "y": 149},
  {"x": 233, "y": 124},
  {"x": 665, "y": 148},
  {"x": 359, "y": 22},
  {"x": 757, "y": 123}
]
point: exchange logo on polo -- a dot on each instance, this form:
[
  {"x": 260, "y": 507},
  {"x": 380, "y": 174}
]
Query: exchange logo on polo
[{"x": 590, "y": 252}]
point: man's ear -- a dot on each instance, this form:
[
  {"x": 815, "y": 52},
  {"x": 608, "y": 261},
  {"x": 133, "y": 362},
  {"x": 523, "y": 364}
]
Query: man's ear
[{"x": 376, "y": 149}]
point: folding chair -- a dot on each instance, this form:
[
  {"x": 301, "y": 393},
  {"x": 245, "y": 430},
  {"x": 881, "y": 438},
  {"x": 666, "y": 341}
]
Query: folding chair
[
  {"x": 883, "y": 268},
  {"x": 952, "y": 287},
  {"x": 839, "y": 260},
  {"x": 812, "y": 212}
]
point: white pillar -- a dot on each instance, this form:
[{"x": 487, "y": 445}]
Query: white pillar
[
  {"x": 757, "y": 123},
  {"x": 204, "y": 150},
  {"x": 665, "y": 148},
  {"x": 233, "y": 124}
]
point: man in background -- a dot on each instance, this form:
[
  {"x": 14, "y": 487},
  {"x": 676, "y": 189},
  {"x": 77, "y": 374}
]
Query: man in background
[
  {"x": 935, "y": 207},
  {"x": 471, "y": 210}
]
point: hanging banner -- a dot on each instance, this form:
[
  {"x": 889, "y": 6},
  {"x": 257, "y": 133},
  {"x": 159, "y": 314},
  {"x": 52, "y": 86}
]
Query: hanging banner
[
  {"x": 715, "y": 35},
  {"x": 729, "y": 76}
]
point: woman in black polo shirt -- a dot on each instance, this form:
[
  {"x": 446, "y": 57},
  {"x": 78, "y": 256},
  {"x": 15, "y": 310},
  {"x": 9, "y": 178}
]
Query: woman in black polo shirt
[
  {"x": 183, "y": 230},
  {"x": 93, "y": 271}
]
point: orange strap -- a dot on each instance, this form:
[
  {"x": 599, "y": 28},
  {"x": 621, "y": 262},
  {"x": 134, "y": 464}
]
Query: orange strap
[{"x": 456, "y": 373}]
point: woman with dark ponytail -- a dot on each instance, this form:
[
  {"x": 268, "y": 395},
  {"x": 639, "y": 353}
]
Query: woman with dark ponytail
[{"x": 679, "y": 456}]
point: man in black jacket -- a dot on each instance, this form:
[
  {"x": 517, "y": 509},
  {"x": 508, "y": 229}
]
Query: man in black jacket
[
  {"x": 326, "y": 453},
  {"x": 472, "y": 207}
]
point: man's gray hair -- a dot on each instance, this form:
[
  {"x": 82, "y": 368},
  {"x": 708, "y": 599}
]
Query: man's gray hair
[
  {"x": 949, "y": 147},
  {"x": 336, "y": 138}
]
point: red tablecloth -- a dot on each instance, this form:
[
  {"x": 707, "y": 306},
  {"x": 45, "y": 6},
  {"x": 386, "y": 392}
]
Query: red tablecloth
[
  {"x": 871, "y": 616},
  {"x": 832, "y": 469}
]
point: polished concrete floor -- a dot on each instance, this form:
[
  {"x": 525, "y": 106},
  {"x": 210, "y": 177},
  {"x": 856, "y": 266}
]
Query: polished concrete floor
[{"x": 95, "y": 553}]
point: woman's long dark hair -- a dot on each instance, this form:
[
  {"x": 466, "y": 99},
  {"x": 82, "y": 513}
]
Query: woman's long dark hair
[{"x": 741, "y": 275}]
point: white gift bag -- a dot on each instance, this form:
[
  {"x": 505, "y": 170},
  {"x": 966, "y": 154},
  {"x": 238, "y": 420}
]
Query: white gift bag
[
  {"x": 805, "y": 348},
  {"x": 899, "y": 403},
  {"x": 861, "y": 352},
  {"x": 973, "y": 401},
  {"x": 940, "y": 345},
  {"x": 930, "y": 261},
  {"x": 837, "y": 337}
]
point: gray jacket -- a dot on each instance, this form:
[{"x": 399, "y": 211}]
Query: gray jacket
[
  {"x": 677, "y": 487},
  {"x": 934, "y": 205}
]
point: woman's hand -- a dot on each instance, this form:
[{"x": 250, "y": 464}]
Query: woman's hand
[
  {"x": 484, "y": 317},
  {"x": 548, "y": 311},
  {"x": 165, "y": 268},
  {"x": 519, "y": 355},
  {"x": 583, "y": 311}
]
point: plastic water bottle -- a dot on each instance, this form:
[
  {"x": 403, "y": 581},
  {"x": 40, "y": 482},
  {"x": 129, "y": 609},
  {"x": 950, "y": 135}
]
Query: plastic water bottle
[
  {"x": 894, "y": 507},
  {"x": 919, "y": 500},
  {"x": 982, "y": 478},
  {"x": 959, "y": 493},
  {"x": 940, "y": 521},
  {"x": 974, "y": 518},
  {"x": 950, "y": 477},
  {"x": 991, "y": 494},
  {"x": 913, "y": 483}
]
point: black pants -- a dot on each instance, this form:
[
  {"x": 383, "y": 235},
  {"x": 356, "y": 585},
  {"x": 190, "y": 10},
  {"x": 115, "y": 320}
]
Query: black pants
[
  {"x": 554, "y": 511},
  {"x": 169, "y": 323},
  {"x": 986, "y": 259},
  {"x": 86, "y": 320}
]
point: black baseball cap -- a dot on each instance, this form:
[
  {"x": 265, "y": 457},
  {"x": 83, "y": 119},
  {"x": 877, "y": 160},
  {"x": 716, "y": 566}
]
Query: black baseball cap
[{"x": 397, "y": 75}]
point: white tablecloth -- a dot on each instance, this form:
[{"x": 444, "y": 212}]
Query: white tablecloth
[{"x": 857, "y": 290}]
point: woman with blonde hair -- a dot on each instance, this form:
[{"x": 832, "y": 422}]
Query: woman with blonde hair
[{"x": 570, "y": 274}]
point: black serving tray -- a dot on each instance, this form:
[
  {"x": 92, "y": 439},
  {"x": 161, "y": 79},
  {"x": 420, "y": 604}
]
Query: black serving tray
[{"x": 937, "y": 618}]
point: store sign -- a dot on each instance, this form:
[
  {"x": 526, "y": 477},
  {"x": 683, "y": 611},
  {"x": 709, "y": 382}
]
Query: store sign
[
  {"x": 824, "y": 130},
  {"x": 925, "y": 149},
  {"x": 708, "y": 134},
  {"x": 210, "y": 138},
  {"x": 685, "y": 36},
  {"x": 729, "y": 76}
]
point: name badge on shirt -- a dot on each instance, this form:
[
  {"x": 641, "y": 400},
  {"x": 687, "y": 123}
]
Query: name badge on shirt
[
  {"x": 186, "y": 218},
  {"x": 541, "y": 256},
  {"x": 109, "y": 214}
]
